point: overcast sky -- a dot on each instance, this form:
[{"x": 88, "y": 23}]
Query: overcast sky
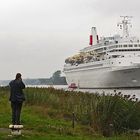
[{"x": 37, "y": 35}]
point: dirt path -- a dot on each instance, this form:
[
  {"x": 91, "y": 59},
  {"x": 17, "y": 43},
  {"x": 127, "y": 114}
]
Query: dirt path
[{"x": 4, "y": 130}]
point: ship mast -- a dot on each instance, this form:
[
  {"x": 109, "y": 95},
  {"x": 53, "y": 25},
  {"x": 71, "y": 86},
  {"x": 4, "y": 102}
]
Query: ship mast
[{"x": 124, "y": 25}]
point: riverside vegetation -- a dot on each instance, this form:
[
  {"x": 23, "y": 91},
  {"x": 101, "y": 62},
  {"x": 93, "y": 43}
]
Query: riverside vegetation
[{"x": 68, "y": 115}]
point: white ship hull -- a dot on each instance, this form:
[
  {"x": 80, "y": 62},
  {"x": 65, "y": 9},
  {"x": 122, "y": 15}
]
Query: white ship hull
[{"x": 105, "y": 78}]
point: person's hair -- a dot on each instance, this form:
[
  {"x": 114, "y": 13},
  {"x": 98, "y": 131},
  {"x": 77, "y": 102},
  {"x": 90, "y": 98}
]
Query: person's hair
[{"x": 18, "y": 75}]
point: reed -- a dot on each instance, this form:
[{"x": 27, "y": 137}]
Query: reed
[{"x": 106, "y": 114}]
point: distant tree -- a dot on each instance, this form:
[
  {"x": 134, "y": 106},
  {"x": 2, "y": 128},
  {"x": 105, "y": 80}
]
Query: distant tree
[
  {"x": 56, "y": 74},
  {"x": 57, "y": 79}
]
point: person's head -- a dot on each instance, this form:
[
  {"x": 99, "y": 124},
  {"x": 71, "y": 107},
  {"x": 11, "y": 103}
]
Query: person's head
[{"x": 18, "y": 76}]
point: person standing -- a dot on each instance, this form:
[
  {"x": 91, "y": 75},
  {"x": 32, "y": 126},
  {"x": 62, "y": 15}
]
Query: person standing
[{"x": 16, "y": 97}]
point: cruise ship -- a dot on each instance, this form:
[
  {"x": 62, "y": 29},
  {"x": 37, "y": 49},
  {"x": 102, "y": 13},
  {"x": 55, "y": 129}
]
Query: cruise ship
[{"x": 108, "y": 62}]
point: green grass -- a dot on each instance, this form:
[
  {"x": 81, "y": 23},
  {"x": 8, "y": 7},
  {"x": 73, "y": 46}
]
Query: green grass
[{"x": 47, "y": 115}]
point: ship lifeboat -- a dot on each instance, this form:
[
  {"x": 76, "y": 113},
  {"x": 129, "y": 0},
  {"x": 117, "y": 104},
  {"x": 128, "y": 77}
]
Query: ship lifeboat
[{"x": 73, "y": 86}]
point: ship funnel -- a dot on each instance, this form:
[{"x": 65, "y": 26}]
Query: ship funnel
[{"x": 93, "y": 37}]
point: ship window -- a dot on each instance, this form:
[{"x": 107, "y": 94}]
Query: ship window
[
  {"x": 111, "y": 47},
  {"x": 135, "y": 45},
  {"x": 130, "y": 45},
  {"x": 125, "y": 45},
  {"x": 119, "y": 62}
]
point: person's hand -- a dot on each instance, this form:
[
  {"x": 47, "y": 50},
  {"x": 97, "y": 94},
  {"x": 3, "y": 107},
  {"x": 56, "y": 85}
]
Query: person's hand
[{"x": 20, "y": 79}]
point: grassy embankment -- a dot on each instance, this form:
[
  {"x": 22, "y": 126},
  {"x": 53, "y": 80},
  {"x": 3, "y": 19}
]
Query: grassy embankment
[{"x": 48, "y": 114}]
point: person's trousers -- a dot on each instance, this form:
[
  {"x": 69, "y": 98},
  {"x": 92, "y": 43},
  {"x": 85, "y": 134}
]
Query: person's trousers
[{"x": 16, "y": 110}]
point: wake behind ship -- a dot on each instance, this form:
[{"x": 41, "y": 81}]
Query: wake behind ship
[{"x": 108, "y": 62}]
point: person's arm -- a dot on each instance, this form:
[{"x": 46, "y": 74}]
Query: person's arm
[
  {"x": 22, "y": 85},
  {"x": 10, "y": 84}
]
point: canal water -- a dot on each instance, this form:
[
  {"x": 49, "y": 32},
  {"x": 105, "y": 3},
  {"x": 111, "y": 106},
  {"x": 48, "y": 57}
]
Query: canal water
[
  {"x": 131, "y": 92},
  {"x": 106, "y": 91}
]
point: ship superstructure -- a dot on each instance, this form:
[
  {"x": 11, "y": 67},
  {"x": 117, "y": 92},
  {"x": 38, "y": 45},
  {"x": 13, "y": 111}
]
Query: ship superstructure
[{"x": 109, "y": 62}]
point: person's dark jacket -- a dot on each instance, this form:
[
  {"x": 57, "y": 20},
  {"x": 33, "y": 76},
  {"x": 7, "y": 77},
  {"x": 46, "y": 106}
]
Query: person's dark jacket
[{"x": 16, "y": 93}]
